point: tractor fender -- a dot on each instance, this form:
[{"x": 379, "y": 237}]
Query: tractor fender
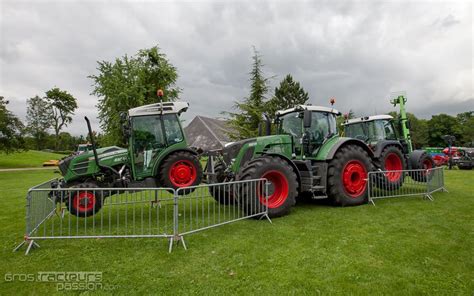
[
  {"x": 162, "y": 157},
  {"x": 382, "y": 144},
  {"x": 291, "y": 163},
  {"x": 349, "y": 141}
]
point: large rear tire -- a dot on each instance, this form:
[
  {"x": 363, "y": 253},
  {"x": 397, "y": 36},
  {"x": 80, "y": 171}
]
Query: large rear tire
[
  {"x": 282, "y": 191},
  {"x": 224, "y": 194},
  {"x": 391, "y": 159},
  {"x": 85, "y": 201},
  {"x": 180, "y": 169},
  {"x": 347, "y": 176}
]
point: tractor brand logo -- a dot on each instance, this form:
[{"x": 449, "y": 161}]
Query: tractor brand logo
[{"x": 120, "y": 159}]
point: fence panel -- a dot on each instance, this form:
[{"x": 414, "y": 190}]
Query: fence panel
[
  {"x": 418, "y": 182},
  {"x": 212, "y": 205},
  {"x": 79, "y": 213}
]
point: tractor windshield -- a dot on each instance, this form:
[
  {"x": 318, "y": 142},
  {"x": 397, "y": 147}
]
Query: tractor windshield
[
  {"x": 149, "y": 137},
  {"x": 323, "y": 125}
]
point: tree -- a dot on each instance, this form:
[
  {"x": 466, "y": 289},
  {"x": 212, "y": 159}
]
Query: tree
[
  {"x": 38, "y": 118},
  {"x": 62, "y": 105},
  {"x": 245, "y": 121},
  {"x": 11, "y": 129},
  {"x": 130, "y": 82},
  {"x": 440, "y": 125},
  {"x": 466, "y": 128},
  {"x": 288, "y": 94}
]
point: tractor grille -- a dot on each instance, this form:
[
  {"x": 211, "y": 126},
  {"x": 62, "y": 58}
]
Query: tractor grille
[
  {"x": 64, "y": 164},
  {"x": 81, "y": 167},
  {"x": 232, "y": 150},
  {"x": 247, "y": 156}
]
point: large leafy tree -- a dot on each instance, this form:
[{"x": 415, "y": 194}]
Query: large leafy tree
[
  {"x": 128, "y": 82},
  {"x": 288, "y": 94},
  {"x": 38, "y": 118},
  {"x": 11, "y": 129},
  {"x": 249, "y": 112},
  {"x": 440, "y": 125},
  {"x": 466, "y": 128},
  {"x": 62, "y": 106}
]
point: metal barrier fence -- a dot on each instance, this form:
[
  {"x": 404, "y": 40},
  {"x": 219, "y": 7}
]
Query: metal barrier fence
[
  {"x": 82, "y": 213},
  {"x": 385, "y": 184}
]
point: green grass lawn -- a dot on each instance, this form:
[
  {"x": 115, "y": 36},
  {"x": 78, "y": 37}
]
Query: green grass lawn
[
  {"x": 401, "y": 246},
  {"x": 27, "y": 159}
]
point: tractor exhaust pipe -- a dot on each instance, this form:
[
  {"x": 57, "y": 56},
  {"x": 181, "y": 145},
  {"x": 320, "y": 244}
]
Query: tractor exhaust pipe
[
  {"x": 268, "y": 124},
  {"x": 96, "y": 158},
  {"x": 91, "y": 136}
]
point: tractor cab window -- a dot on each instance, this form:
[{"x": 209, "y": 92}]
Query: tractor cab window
[
  {"x": 148, "y": 138},
  {"x": 389, "y": 130},
  {"x": 323, "y": 125},
  {"x": 172, "y": 129},
  {"x": 291, "y": 124},
  {"x": 357, "y": 131}
]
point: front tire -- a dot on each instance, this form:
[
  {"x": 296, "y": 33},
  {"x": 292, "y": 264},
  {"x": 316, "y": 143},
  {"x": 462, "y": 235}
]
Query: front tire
[
  {"x": 282, "y": 192},
  {"x": 347, "y": 176},
  {"x": 86, "y": 201},
  {"x": 180, "y": 169}
]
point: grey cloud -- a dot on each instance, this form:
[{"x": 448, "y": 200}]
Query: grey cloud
[{"x": 358, "y": 52}]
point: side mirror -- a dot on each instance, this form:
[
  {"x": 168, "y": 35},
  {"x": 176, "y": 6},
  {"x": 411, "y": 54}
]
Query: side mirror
[{"x": 307, "y": 118}]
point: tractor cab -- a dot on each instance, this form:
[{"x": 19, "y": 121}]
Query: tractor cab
[
  {"x": 309, "y": 126},
  {"x": 371, "y": 129},
  {"x": 152, "y": 130}
]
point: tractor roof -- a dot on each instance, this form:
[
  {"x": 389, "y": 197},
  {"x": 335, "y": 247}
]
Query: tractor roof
[
  {"x": 152, "y": 109},
  {"x": 367, "y": 118},
  {"x": 307, "y": 107}
]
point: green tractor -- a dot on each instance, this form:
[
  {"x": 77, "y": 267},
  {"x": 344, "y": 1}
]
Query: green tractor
[
  {"x": 157, "y": 155},
  {"x": 305, "y": 157},
  {"x": 393, "y": 152}
]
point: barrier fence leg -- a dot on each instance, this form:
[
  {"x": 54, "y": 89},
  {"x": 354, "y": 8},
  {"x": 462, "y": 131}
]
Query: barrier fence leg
[
  {"x": 176, "y": 237},
  {"x": 31, "y": 244}
]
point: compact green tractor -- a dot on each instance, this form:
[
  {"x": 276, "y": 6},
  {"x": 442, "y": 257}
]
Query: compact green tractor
[
  {"x": 393, "y": 152},
  {"x": 306, "y": 156},
  {"x": 157, "y": 155}
]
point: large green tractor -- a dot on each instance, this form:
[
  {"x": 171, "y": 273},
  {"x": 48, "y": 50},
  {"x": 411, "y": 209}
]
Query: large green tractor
[
  {"x": 390, "y": 141},
  {"x": 306, "y": 156},
  {"x": 157, "y": 155}
]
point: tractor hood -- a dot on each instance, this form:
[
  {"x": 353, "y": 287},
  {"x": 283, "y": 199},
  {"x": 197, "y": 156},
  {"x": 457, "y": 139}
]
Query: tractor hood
[
  {"x": 82, "y": 163},
  {"x": 246, "y": 149}
]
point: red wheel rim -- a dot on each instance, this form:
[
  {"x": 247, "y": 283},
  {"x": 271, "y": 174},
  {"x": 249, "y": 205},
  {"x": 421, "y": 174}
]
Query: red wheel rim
[
  {"x": 84, "y": 201},
  {"x": 280, "y": 189},
  {"x": 427, "y": 164},
  {"x": 393, "y": 163},
  {"x": 354, "y": 178},
  {"x": 182, "y": 173}
]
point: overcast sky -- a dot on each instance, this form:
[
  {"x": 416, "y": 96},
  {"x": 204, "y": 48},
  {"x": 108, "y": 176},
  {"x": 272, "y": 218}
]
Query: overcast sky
[{"x": 358, "y": 52}]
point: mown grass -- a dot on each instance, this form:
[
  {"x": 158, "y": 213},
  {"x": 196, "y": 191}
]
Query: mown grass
[
  {"x": 401, "y": 246},
  {"x": 26, "y": 159}
]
